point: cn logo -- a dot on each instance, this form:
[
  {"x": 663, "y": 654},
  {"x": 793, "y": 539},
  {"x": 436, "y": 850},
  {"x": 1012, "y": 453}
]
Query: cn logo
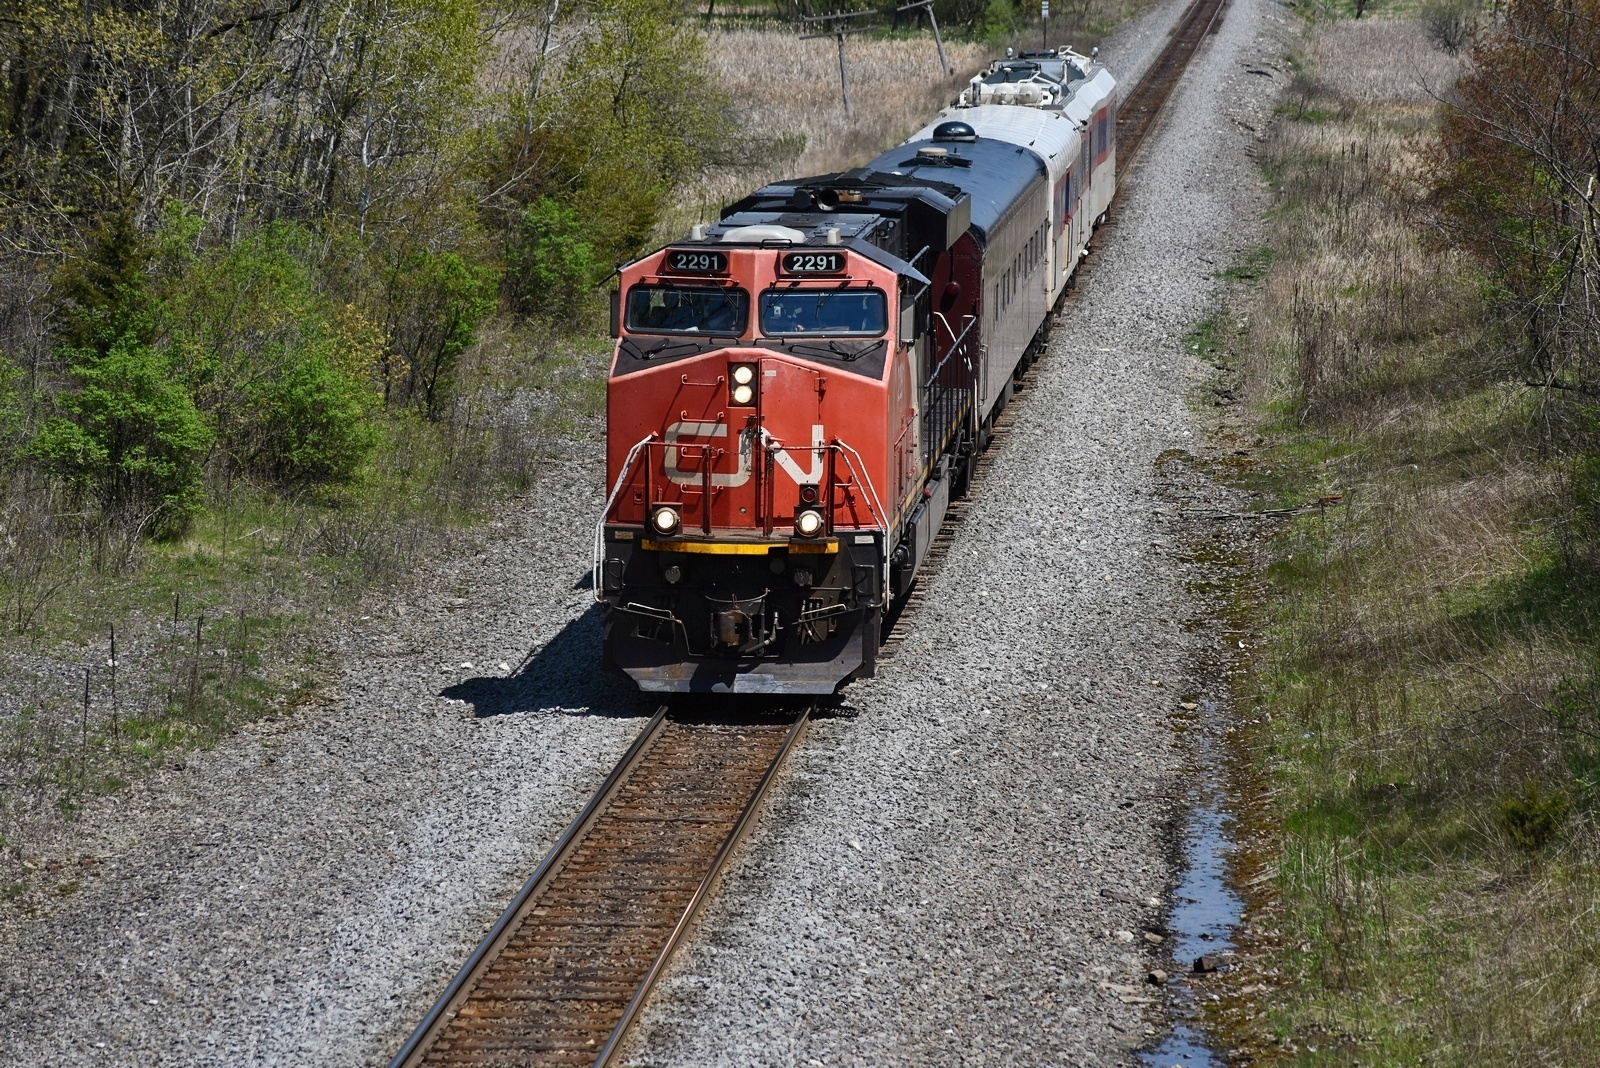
[
  {"x": 705, "y": 432},
  {"x": 792, "y": 469},
  {"x": 692, "y": 431}
]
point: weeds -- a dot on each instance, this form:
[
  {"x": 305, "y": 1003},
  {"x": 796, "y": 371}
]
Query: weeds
[{"x": 1424, "y": 709}]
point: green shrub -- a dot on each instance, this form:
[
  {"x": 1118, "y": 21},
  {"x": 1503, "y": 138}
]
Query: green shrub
[
  {"x": 997, "y": 21},
  {"x": 129, "y": 434},
  {"x": 12, "y": 409},
  {"x": 1533, "y": 817},
  {"x": 258, "y": 344},
  {"x": 105, "y": 288},
  {"x": 436, "y": 303},
  {"x": 317, "y": 423},
  {"x": 552, "y": 268}
]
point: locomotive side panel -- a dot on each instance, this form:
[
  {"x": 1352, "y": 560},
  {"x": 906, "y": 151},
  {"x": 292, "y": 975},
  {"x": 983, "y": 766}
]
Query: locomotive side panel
[{"x": 1015, "y": 262}]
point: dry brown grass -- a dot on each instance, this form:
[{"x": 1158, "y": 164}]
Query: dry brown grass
[
  {"x": 1429, "y": 674},
  {"x": 1381, "y": 61},
  {"x": 785, "y": 93}
]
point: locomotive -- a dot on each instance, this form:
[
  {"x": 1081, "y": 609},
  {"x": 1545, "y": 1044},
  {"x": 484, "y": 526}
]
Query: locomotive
[{"x": 800, "y": 389}]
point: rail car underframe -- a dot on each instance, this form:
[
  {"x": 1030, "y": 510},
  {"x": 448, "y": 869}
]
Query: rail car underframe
[{"x": 696, "y": 615}]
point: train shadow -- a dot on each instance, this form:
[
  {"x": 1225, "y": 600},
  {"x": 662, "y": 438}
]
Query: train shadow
[{"x": 563, "y": 675}]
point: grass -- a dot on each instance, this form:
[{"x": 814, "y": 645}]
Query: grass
[
  {"x": 227, "y": 624},
  {"x": 1421, "y": 717}
]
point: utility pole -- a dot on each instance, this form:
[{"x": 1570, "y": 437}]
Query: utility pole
[
  {"x": 1044, "y": 23},
  {"x": 938, "y": 42},
  {"x": 837, "y": 29}
]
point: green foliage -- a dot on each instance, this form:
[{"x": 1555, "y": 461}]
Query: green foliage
[
  {"x": 552, "y": 268},
  {"x": 1533, "y": 817},
  {"x": 129, "y": 434},
  {"x": 12, "y": 410},
  {"x": 317, "y": 424},
  {"x": 258, "y": 345},
  {"x": 436, "y": 302},
  {"x": 606, "y": 133},
  {"x": 996, "y": 22},
  {"x": 104, "y": 288}
]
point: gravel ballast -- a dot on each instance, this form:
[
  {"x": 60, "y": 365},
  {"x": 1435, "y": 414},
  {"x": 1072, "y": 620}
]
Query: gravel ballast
[
  {"x": 957, "y": 868},
  {"x": 964, "y": 872},
  {"x": 300, "y": 894}
]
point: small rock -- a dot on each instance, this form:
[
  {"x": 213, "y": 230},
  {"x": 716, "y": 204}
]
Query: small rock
[
  {"x": 855, "y": 843},
  {"x": 1153, "y": 939},
  {"x": 1157, "y": 977},
  {"x": 466, "y": 663},
  {"x": 1123, "y": 936},
  {"x": 1188, "y": 706},
  {"x": 503, "y": 666},
  {"x": 1207, "y": 963}
]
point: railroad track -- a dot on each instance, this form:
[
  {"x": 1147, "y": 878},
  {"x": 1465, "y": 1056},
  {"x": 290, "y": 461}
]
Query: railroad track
[
  {"x": 1139, "y": 111},
  {"x": 564, "y": 971},
  {"x": 1135, "y": 118}
]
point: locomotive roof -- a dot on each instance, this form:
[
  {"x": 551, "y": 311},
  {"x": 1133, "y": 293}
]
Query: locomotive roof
[
  {"x": 904, "y": 217},
  {"x": 858, "y": 232},
  {"x": 995, "y": 174}
]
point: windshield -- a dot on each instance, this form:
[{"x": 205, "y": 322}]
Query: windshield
[
  {"x": 687, "y": 310},
  {"x": 830, "y": 312}
]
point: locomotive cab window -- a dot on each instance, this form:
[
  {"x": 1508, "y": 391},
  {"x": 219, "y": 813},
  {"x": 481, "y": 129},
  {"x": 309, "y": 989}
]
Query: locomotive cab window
[
  {"x": 825, "y": 312},
  {"x": 720, "y": 311}
]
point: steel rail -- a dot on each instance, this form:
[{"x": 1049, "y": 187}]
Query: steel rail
[
  {"x": 703, "y": 891},
  {"x": 597, "y": 923},
  {"x": 1148, "y": 99},
  {"x": 460, "y": 986}
]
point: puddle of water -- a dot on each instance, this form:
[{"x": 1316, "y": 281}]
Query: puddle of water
[
  {"x": 1184, "y": 1046},
  {"x": 1205, "y": 911},
  {"x": 1205, "y": 908}
]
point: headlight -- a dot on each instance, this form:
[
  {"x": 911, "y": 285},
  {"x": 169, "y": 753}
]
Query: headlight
[
  {"x": 742, "y": 385},
  {"x": 664, "y": 520},
  {"x": 808, "y": 524}
]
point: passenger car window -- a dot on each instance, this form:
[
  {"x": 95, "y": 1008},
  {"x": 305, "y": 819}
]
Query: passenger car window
[
  {"x": 722, "y": 311},
  {"x": 830, "y": 312}
]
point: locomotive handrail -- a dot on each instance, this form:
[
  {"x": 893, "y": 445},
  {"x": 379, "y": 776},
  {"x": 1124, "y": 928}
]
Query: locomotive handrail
[
  {"x": 850, "y": 457},
  {"x": 956, "y": 339},
  {"x": 946, "y": 403},
  {"x": 933, "y": 375},
  {"x": 600, "y": 527}
]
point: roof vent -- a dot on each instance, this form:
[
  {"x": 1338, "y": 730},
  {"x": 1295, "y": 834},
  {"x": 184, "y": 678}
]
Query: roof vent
[
  {"x": 955, "y": 131},
  {"x": 931, "y": 152},
  {"x": 761, "y": 233}
]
